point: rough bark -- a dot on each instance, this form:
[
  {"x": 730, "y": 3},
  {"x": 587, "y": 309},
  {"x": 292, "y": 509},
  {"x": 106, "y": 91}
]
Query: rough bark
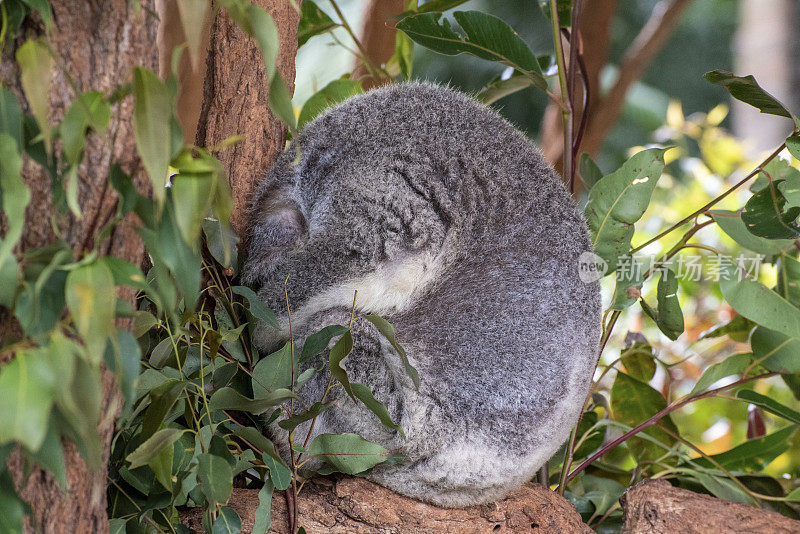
[
  {"x": 656, "y": 507},
  {"x": 97, "y": 43},
  {"x": 378, "y": 37},
  {"x": 355, "y": 506},
  {"x": 235, "y": 100}
]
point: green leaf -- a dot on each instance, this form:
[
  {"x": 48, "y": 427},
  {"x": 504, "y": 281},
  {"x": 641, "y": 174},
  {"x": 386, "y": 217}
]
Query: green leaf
[
  {"x": 670, "y": 316},
  {"x": 273, "y": 371},
  {"x": 227, "y": 522},
  {"x": 11, "y": 116},
  {"x": 313, "y": 21},
  {"x": 769, "y": 404},
  {"x": 767, "y": 215},
  {"x": 123, "y": 357},
  {"x": 347, "y": 453},
  {"x": 402, "y": 61},
  {"x": 747, "y": 90},
  {"x": 35, "y": 66},
  {"x": 487, "y": 37},
  {"x": 792, "y": 144},
  {"x": 633, "y": 402},
  {"x": 256, "y": 307},
  {"x": 230, "y": 399},
  {"x": 263, "y": 514},
  {"x": 439, "y": 5},
  {"x": 279, "y": 474},
  {"x": 216, "y": 478},
  {"x": 71, "y": 180},
  {"x": 364, "y": 394},
  {"x": 501, "y": 87},
  {"x": 14, "y": 194},
  {"x": 620, "y": 199},
  {"x": 150, "y": 449},
  {"x": 753, "y": 454},
  {"x": 588, "y": 170},
  {"x": 192, "y": 195},
  {"x": 9, "y": 279},
  {"x": 221, "y": 241},
  {"x": 50, "y": 455},
  {"x": 564, "y": 9},
  {"x": 775, "y": 351},
  {"x": 330, "y": 95},
  {"x": 26, "y": 387},
  {"x": 317, "y": 342},
  {"x": 87, "y": 110},
  {"x": 280, "y": 101},
  {"x": 43, "y": 8},
  {"x": 257, "y": 440},
  {"x": 151, "y": 126},
  {"x": 340, "y": 350},
  {"x": 639, "y": 361},
  {"x": 193, "y": 16},
  {"x": 602, "y": 492},
  {"x": 758, "y": 303},
  {"x": 265, "y": 33},
  {"x": 732, "y": 365},
  {"x": 12, "y": 508},
  {"x": 731, "y": 223},
  {"x": 387, "y": 331},
  {"x": 722, "y": 488},
  {"x": 290, "y": 423},
  {"x": 91, "y": 297},
  {"x": 125, "y": 273}
]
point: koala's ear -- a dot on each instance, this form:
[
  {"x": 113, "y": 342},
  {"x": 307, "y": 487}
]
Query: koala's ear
[{"x": 280, "y": 225}]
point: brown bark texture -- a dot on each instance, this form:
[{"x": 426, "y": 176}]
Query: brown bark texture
[
  {"x": 355, "y": 506},
  {"x": 236, "y": 101},
  {"x": 378, "y": 37},
  {"x": 656, "y": 507},
  {"x": 97, "y": 43}
]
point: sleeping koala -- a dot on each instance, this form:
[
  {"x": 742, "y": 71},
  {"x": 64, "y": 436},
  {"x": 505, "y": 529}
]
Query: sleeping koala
[{"x": 449, "y": 224}]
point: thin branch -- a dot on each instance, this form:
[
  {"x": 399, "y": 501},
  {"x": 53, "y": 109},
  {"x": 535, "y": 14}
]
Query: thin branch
[
  {"x": 638, "y": 57},
  {"x": 657, "y": 417}
]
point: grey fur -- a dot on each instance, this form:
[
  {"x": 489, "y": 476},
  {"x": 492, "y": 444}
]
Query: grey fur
[{"x": 477, "y": 241}]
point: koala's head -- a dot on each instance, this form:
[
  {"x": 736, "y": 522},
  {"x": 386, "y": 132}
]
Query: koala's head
[{"x": 351, "y": 213}]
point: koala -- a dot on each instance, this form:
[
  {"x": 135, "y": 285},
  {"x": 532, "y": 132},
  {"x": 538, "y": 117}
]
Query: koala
[{"x": 447, "y": 222}]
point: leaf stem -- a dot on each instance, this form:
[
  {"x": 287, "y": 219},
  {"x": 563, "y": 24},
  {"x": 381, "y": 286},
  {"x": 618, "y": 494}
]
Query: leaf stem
[
  {"x": 566, "y": 110},
  {"x": 714, "y": 201}
]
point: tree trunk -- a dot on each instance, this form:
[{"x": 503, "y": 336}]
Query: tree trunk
[
  {"x": 350, "y": 505},
  {"x": 656, "y": 507},
  {"x": 377, "y": 37},
  {"x": 236, "y": 101},
  {"x": 97, "y": 43}
]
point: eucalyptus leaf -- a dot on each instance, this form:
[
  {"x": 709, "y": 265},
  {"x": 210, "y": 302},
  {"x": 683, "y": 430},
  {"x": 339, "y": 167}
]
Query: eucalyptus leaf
[
  {"x": 273, "y": 371},
  {"x": 620, "y": 199},
  {"x": 216, "y": 478},
  {"x": 149, "y": 449},
  {"x": 91, "y": 295},
  {"x": 486, "y": 37},
  {"x": 256, "y": 307},
  {"x": 26, "y": 386},
  {"x": 290, "y": 423},
  {"x": 330, "y": 95},
  {"x": 588, "y": 170},
  {"x": 347, "y": 453},
  {"x": 151, "y": 126},
  {"x": 633, "y": 402},
  {"x": 731, "y": 223},
  {"x": 193, "y": 16},
  {"x": 777, "y": 352},
  {"x": 769, "y": 404},
  {"x": 11, "y": 116},
  {"x": 747, "y": 90},
  {"x": 364, "y": 394},
  {"x": 14, "y": 195},
  {"x": 340, "y": 350},
  {"x": 387, "y": 331},
  {"x": 670, "y": 316},
  {"x": 501, "y": 87},
  {"x": 754, "y": 454},
  {"x": 767, "y": 215},
  {"x": 279, "y": 474},
  {"x": 230, "y": 399},
  {"x": 262, "y": 516},
  {"x": 313, "y": 21},
  {"x": 35, "y": 68},
  {"x": 317, "y": 342},
  {"x": 732, "y": 365}
]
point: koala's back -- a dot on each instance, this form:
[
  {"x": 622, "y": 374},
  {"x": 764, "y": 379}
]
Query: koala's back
[{"x": 448, "y": 222}]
